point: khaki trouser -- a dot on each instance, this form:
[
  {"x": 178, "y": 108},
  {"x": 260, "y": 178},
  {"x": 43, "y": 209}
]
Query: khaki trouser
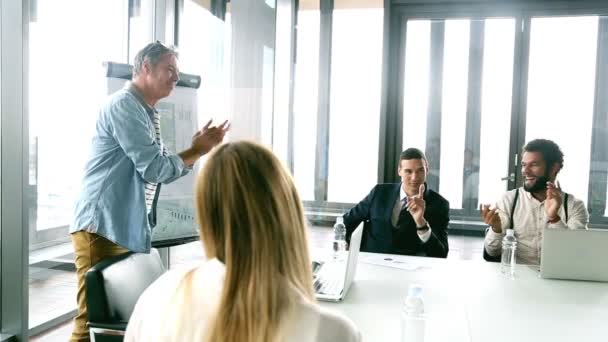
[{"x": 89, "y": 249}]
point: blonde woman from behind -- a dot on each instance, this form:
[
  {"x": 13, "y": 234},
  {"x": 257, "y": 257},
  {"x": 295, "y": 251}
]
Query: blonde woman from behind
[{"x": 256, "y": 284}]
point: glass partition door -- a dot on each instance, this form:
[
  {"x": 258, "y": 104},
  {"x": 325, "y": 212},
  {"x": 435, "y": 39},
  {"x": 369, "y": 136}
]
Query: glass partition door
[
  {"x": 457, "y": 101},
  {"x": 474, "y": 90}
]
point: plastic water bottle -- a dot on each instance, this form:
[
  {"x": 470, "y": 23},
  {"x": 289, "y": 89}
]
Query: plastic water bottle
[
  {"x": 413, "y": 322},
  {"x": 509, "y": 245},
  {"x": 339, "y": 245}
]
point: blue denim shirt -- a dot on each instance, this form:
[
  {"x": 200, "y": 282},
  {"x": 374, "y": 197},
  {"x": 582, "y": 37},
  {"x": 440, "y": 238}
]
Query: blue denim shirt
[{"x": 124, "y": 153}]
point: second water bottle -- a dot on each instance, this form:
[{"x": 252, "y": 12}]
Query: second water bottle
[
  {"x": 509, "y": 246},
  {"x": 413, "y": 323}
]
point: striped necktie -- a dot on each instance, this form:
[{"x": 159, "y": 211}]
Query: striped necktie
[
  {"x": 403, "y": 211},
  {"x": 153, "y": 189}
]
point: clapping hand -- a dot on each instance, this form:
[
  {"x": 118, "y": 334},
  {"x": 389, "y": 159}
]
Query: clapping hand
[
  {"x": 553, "y": 200},
  {"x": 209, "y": 136},
  {"x": 490, "y": 217}
]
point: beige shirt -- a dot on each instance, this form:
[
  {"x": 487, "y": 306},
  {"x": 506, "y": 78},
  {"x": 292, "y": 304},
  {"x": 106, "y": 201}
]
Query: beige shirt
[
  {"x": 157, "y": 318},
  {"x": 530, "y": 221}
]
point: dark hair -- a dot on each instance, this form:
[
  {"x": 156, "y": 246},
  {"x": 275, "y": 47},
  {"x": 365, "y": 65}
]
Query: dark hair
[
  {"x": 152, "y": 53},
  {"x": 413, "y": 153},
  {"x": 550, "y": 151}
]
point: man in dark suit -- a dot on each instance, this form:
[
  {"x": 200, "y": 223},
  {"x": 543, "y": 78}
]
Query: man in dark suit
[{"x": 403, "y": 218}]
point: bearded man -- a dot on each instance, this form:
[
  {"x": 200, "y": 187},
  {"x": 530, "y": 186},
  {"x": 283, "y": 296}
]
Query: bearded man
[{"x": 540, "y": 203}]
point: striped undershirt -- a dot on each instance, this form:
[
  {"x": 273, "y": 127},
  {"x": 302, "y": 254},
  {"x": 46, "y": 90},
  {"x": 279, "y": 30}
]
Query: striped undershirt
[{"x": 151, "y": 187}]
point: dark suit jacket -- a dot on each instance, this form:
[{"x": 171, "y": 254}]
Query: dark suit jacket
[{"x": 379, "y": 235}]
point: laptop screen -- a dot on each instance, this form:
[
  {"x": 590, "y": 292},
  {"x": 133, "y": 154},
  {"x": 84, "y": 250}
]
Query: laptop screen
[{"x": 578, "y": 254}]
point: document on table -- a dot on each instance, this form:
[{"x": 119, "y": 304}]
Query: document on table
[{"x": 390, "y": 261}]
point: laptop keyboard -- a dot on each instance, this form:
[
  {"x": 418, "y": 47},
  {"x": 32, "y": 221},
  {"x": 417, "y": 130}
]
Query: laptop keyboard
[
  {"x": 328, "y": 285},
  {"x": 330, "y": 280}
]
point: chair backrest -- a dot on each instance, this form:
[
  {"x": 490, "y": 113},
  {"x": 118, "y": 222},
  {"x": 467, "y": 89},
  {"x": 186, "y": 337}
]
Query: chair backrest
[{"x": 114, "y": 285}]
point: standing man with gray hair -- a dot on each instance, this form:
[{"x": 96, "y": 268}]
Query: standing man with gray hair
[{"x": 126, "y": 166}]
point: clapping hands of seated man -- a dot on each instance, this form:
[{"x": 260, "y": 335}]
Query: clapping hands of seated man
[
  {"x": 416, "y": 206},
  {"x": 553, "y": 201},
  {"x": 518, "y": 208},
  {"x": 490, "y": 217}
]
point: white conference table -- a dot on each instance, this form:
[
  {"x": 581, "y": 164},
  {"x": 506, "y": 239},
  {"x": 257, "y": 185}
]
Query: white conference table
[{"x": 473, "y": 301}]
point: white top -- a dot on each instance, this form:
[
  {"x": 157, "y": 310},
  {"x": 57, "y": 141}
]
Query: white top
[
  {"x": 155, "y": 318},
  {"x": 530, "y": 220},
  {"x": 425, "y": 236}
]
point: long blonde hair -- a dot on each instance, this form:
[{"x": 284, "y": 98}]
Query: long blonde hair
[{"x": 251, "y": 218}]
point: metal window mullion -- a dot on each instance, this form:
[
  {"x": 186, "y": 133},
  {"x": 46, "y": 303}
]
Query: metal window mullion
[
  {"x": 292, "y": 74},
  {"x": 473, "y": 119},
  {"x": 127, "y": 41},
  {"x": 391, "y": 117},
  {"x": 322, "y": 146},
  {"x": 178, "y": 15},
  {"x": 14, "y": 154},
  {"x": 598, "y": 171},
  {"x": 519, "y": 98},
  {"x": 159, "y": 13},
  {"x": 171, "y": 12},
  {"x": 433, "y": 125}
]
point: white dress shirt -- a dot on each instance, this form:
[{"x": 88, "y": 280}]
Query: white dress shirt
[
  {"x": 425, "y": 235},
  {"x": 530, "y": 220},
  {"x": 158, "y": 316}
]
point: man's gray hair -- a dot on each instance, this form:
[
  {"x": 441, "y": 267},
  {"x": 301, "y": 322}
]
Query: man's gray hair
[{"x": 152, "y": 53}]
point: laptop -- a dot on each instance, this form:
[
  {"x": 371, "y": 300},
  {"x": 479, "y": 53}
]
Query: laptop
[
  {"x": 333, "y": 278},
  {"x": 575, "y": 254}
]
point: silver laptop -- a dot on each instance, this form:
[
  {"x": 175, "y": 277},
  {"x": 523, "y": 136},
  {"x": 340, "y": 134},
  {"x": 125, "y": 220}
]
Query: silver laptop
[
  {"x": 575, "y": 254},
  {"x": 333, "y": 278}
]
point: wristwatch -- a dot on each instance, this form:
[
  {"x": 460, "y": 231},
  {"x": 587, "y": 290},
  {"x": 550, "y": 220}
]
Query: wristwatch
[{"x": 425, "y": 227}]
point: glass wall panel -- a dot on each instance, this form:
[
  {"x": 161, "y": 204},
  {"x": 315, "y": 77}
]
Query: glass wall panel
[
  {"x": 65, "y": 94},
  {"x": 416, "y": 83},
  {"x": 561, "y": 87},
  {"x": 454, "y": 109},
  {"x": 205, "y": 51},
  {"x": 598, "y": 175},
  {"x": 468, "y": 111},
  {"x": 141, "y": 26},
  {"x": 356, "y": 83},
  {"x": 283, "y": 79},
  {"x": 267, "y": 95},
  {"x": 306, "y": 93},
  {"x": 68, "y": 41},
  {"x": 496, "y": 98}
]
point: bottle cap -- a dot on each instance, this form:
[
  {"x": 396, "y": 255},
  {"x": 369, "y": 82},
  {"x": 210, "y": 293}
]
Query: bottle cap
[
  {"x": 510, "y": 232},
  {"x": 339, "y": 219},
  {"x": 415, "y": 290}
]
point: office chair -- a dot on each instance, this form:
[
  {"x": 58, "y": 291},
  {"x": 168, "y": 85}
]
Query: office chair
[{"x": 113, "y": 286}]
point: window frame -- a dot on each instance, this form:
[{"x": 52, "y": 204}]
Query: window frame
[
  {"x": 468, "y": 218},
  {"x": 397, "y": 12},
  {"x": 14, "y": 242}
]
